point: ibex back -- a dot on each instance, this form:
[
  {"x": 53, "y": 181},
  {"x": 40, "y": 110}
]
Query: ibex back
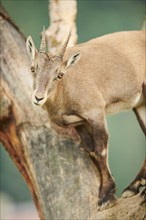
[{"x": 78, "y": 86}]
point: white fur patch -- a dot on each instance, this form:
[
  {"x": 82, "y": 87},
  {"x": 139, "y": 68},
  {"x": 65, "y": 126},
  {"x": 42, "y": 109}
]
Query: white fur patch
[
  {"x": 136, "y": 99},
  {"x": 103, "y": 154}
]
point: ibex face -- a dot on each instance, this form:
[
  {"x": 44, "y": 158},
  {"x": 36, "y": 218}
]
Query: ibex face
[{"x": 47, "y": 69}]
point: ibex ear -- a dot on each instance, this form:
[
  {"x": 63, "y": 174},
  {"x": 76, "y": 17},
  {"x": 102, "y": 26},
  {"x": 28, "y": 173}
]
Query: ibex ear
[
  {"x": 72, "y": 60},
  {"x": 31, "y": 49}
]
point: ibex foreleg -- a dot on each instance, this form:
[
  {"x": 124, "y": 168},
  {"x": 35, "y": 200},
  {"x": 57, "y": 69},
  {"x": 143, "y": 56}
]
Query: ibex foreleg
[{"x": 95, "y": 139}]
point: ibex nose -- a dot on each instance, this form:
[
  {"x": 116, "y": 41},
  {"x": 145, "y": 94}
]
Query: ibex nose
[{"x": 38, "y": 99}]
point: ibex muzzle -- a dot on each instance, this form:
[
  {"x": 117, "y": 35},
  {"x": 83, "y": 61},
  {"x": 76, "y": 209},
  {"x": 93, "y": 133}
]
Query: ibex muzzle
[{"x": 79, "y": 86}]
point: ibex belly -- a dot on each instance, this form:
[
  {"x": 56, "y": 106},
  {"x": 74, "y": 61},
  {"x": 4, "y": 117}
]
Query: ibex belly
[{"x": 118, "y": 104}]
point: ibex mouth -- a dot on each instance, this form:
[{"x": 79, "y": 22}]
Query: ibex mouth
[{"x": 36, "y": 103}]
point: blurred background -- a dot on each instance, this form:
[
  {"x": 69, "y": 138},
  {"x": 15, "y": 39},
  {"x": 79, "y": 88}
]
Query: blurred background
[{"x": 127, "y": 146}]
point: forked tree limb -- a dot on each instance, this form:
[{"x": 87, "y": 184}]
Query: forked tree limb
[{"x": 61, "y": 177}]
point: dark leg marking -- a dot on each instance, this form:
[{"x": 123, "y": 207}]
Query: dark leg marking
[
  {"x": 95, "y": 142},
  {"x": 108, "y": 187},
  {"x": 139, "y": 118},
  {"x": 86, "y": 138},
  {"x": 143, "y": 193}
]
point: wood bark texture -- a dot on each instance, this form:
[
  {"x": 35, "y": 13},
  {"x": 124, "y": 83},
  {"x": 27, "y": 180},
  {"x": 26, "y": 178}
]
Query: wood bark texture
[{"x": 61, "y": 177}]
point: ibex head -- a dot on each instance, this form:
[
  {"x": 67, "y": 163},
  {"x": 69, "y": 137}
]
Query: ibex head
[{"x": 47, "y": 69}]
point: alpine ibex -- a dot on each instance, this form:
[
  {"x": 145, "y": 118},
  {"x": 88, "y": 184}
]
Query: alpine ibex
[{"x": 78, "y": 86}]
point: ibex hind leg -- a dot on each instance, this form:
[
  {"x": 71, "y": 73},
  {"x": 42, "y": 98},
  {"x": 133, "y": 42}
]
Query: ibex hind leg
[
  {"x": 138, "y": 182},
  {"x": 140, "y": 179}
]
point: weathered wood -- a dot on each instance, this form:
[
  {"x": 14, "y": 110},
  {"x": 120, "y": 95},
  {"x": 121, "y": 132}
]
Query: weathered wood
[
  {"x": 62, "y": 178},
  {"x": 62, "y": 18}
]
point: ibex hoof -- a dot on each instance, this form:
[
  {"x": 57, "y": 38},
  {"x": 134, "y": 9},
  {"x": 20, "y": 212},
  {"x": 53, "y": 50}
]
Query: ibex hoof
[
  {"x": 107, "y": 202},
  {"x": 128, "y": 193}
]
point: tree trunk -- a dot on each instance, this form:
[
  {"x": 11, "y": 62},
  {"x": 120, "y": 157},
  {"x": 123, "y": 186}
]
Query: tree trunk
[{"x": 61, "y": 177}]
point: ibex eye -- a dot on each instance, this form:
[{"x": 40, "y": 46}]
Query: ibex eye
[
  {"x": 60, "y": 75},
  {"x": 32, "y": 69}
]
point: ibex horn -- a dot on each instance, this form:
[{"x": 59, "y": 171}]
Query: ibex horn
[
  {"x": 43, "y": 42},
  {"x": 62, "y": 49}
]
